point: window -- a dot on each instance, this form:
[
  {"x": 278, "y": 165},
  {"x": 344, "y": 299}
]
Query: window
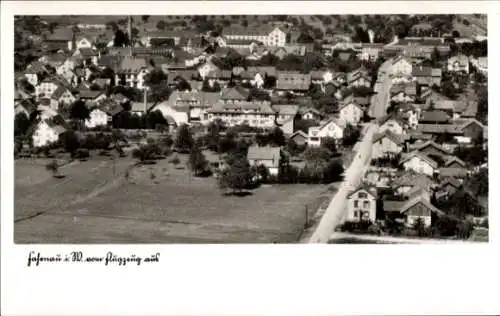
[
  {"x": 366, "y": 204},
  {"x": 356, "y": 203},
  {"x": 355, "y": 214},
  {"x": 362, "y": 195}
]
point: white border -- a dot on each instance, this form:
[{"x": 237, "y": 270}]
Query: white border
[{"x": 265, "y": 280}]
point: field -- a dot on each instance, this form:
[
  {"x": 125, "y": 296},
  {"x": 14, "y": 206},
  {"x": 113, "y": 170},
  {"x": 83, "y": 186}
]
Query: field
[{"x": 96, "y": 203}]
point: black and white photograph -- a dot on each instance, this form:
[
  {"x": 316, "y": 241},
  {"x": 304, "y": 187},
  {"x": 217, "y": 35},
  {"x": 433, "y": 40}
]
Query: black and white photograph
[
  {"x": 251, "y": 129},
  {"x": 249, "y": 158}
]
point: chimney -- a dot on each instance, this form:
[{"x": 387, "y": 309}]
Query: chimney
[
  {"x": 130, "y": 29},
  {"x": 145, "y": 100}
]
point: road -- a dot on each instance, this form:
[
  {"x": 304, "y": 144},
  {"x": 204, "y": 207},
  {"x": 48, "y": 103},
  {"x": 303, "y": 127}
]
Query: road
[
  {"x": 397, "y": 240},
  {"x": 336, "y": 210},
  {"x": 380, "y": 101}
]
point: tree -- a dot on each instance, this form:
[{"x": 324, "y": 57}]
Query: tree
[
  {"x": 79, "y": 111},
  {"x": 145, "y": 18},
  {"x": 237, "y": 176},
  {"x": 197, "y": 161},
  {"x": 448, "y": 90},
  {"x": 276, "y": 137},
  {"x": 121, "y": 39},
  {"x": 70, "y": 141},
  {"x": 146, "y": 152},
  {"x": 244, "y": 23},
  {"x": 184, "y": 140},
  {"x": 351, "y": 135},
  {"x": 53, "y": 167},
  {"x": 419, "y": 227},
  {"x": 155, "y": 77},
  {"x": 153, "y": 119},
  {"x": 160, "y": 25},
  {"x": 212, "y": 138},
  {"x": 21, "y": 124},
  {"x": 305, "y": 38},
  {"x": 329, "y": 143},
  {"x": 333, "y": 171}
]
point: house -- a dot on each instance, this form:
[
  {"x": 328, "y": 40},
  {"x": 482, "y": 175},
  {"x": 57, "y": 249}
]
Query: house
[
  {"x": 27, "y": 107},
  {"x": 409, "y": 181},
  {"x": 430, "y": 148},
  {"x": 292, "y": 81},
  {"x": 197, "y": 101},
  {"x": 54, "y": 60},
  {"x": 358, "y": 78},
  {"x": 207, "y": 68},
  {"x": 463, "y": 130},
  {"x": 63, "y": 97},
  {"x": 34, "y": 72},
  {"x": 419, "y": 163},
  {"x": 268, "y": 157},
  {"x": 307, "y": 113},
  {"x": 391, "y": 123},
  {"x": 370, "y": 51},
  {"x": 254, "y": 113},
  {"x": 265, "y": 33},
  {"x": 46, "y": 132},
  {"x": 411, "y": 210},
  {"x": 218, "y": 76},
  {"x": 97, "y": 117},
  {"x": 362, "y": 204},
  {"x": 300, "y": 138},
  {"x": 427, "y": 76},
  {"x": 400, "y": 67},
  {"x": 387, "y": 144},
  {"x": 351, "y": 112},
  {"x": 141, "y": 108},
  {"x": 285, "y": 117},
  {"x": 88, "y": 55},
  {"x": 174, "y": 36},
  {"x": 131, "y": 72},
  {"x": 92, "y": 96},
  {"x": 331, "y": 128},
  {"x": 458, "y": 63},
  {"x": 60, "y": 39},
  {"x": 451, "y": 185},
  {"x": 179, "y": 114},
  {"x": 83, "y": 41},
  {"x": 454, "y": 162},
  {"x": 404, "y": 92}
]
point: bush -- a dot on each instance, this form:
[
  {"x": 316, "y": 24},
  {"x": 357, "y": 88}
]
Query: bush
[
  {"x": 175, "y": 160},
  {"x": 82, "y": 154},
  {"x": 359, "y": 227}
]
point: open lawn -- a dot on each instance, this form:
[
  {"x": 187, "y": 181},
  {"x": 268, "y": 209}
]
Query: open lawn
[{"x": 93, "y": 204}]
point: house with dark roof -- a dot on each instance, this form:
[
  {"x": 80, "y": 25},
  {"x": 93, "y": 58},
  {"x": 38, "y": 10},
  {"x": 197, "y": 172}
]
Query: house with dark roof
[
  {"x": 434, "y": 117},
  {"x": 427, "y": 76},
  {"x": 308, "y": 113},
  {"x": 299, "y": 137},
  {"x": 92, "y": 96},
  {"x": 458, "y": 173},
  {"x": 197, "y": 101},
  {"x": 267, "y": 156},
  {"x": 358, "y": 78},
  {"x": 88, "y": 55},
  {"x": 408, "y": 181},
  {"x": 60, "y": 39},
  {"x": 63, "y": 97},
  {"x": 418, "y": 207},
  {"x": 404, "y": 92},
  {"x": 25, "y": 106},
  {"x": 234, "y": 95},
  {"x": 450, "y": 185},
  {"x": 34, "y": 72},
  {"x": 387, "y": 144},
  {"x": 431, "y": 148},
  {"x": 290, "y": 81},
  {"x": 362, "y": 204},
  {"x": 419, "y": 163},
  {"x": 454, "y": 162}
]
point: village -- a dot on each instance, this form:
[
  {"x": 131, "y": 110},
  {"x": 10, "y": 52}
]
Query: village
[{"x": 245, "y": 130}]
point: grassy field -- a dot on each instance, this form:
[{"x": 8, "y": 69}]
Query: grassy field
[{"x": 93, "y": 204}]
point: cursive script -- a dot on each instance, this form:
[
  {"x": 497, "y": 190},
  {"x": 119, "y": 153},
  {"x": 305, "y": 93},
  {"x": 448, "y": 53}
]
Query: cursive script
[{"x": 36, "y": 258}]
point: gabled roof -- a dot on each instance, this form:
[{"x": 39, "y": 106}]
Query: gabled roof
[
  {"x": 426, "y": 72},
  {"x": 408, "y": 88},
  {"x": 397, "y": 139},
  {"x": 390, "y": 117},
  {"x": 89, "y": 94},
  {"x": 263, "y": 153},
  {"x": 350, "y": 100},
  {"x": 453, "y": 172},
  {"x": 139, "y": 106},
  {"x": 453, "y": 159},
  {"x": 419, "y": 147},
  {"x": 365, "y": 187},
  {"x": 305, "y": 110},
  {"x": 413, "y": 179},
  {"x": 337, "y": 122},
  {"x": 420, "y": 199},
  {"x": 59, "y": 92},
  {"x": 421, "y": 156},
  {"x": 262, "y": 107},
  {"x": 88, "y": 52},
  {"x": 290, "y": 80},
  {"x": 299, "y": 133},
  {"x": 286, "y": 109},
  {"x": 129, "y": 64},
  {"x": 451, "y": 181},
  {"x": 29, "y": 106},
  {"x": 35, "y": 67},
  {"x": 235, "y": 93},
  {"x": 434, "y": 116}
]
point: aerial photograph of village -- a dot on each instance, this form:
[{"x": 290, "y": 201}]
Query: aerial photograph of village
[{"x": 206, "y": 129}]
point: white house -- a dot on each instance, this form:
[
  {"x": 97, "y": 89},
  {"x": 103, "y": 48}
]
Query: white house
[
  {"x": 207, "y": 68},
  {"x": 361, "y": 204},
  {"x": 392, "y": 124},
  {"x": 331, "y": 128},
  {"x": 459, "y": 63},
  {"x": 351, "y": 112},
  {"x": 419, "y": 163},
  {"x": 132, "y": 72},
  {"x": 46, "y": 133},
  {"x": 254, "y": 113},
  {"x": 178, "y": 114},
  {"x": 267, "y": 34},
  {"x": 97, "y": 117},
  {"x": 400, "y": 67}
]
